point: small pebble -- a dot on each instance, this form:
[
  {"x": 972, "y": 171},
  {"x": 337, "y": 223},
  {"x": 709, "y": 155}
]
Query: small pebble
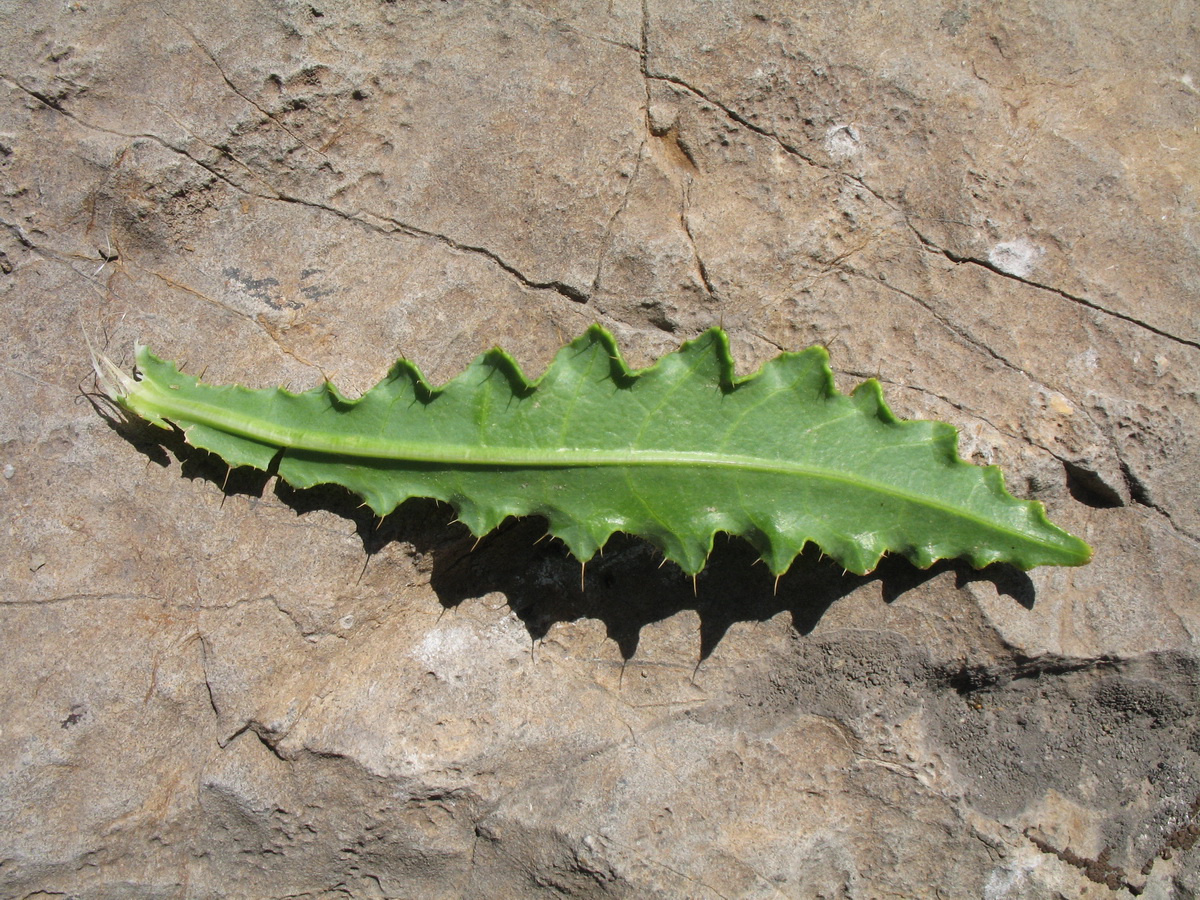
[{"x": 9, "y": 471}]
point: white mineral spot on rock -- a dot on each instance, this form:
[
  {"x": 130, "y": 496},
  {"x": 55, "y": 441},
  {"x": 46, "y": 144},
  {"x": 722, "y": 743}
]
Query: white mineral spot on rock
[
  {"x": 457, "y": 651},
  {"x": 1008, "y": 880},
  {"x": 1087, "y": 361},
  {"x": 445, "y": 648},
  {"x": 842, "y": 141},
  {"x": 9, "y": 471},
  {"x": 1017, "y": 257}
]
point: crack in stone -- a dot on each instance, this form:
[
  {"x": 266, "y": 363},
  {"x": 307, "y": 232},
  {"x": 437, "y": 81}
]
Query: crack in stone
[
  {"x": 658, "y": 862},
  {"x": 792, "y": 149},
  {"x": 56, "y": 257},
  {"x": 133, "y": 136},
  {"x": 685, "y": 221},
  {"x": 221, "y": 151},
  {"x": 954, "y": 404},
  {"x": 568, "y": 291},
  {"x": 958, "y": 259},
  {"x": 566, "y": 26},
  {"x": 233, "y": 87},
  {"x": 644, "y": 44},
  {"x": 1141, "y": 496},
  {"x": 76, "y": 598},
  {"x": 1098, "y": 870},
  {"x": 22, "y": 238},
  {"x": 52, "y": 102},
  {"x": 265, "y": 736},
  {"x": 769, "y": 341},
  {"x": 274, "y": 601},
  {"x": 212, "y": 698},
  {"x": 1138, "y": 497},
  {"x": 946, "y": 322},
  {"x": 734, "y": 115},
  {"x": 606, "y": 238}
]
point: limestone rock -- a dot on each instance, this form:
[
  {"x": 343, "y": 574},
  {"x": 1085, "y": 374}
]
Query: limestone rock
[{"x": 205, "y": 693}]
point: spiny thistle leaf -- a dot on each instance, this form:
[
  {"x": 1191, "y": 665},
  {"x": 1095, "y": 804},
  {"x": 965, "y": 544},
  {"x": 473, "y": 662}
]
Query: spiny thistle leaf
[{"x": 673, "y": 453}]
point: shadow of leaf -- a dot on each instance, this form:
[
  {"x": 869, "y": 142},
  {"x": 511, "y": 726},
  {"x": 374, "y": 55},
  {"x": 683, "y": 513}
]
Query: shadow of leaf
[{"x": 626, "y": 587}]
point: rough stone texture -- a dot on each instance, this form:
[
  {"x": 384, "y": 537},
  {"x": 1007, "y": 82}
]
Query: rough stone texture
[{"x": 991, "y": 207}]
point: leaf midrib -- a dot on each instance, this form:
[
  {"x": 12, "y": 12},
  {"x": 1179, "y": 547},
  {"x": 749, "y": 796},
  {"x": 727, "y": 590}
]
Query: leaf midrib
[{"x": 172, "y": 406}]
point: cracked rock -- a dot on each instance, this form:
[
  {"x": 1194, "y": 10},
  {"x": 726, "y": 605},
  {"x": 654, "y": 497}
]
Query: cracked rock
[{"x": 991, "y": 211}]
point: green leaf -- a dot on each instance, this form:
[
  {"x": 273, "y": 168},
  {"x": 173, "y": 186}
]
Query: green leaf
[{"x": 673, "y": 453}]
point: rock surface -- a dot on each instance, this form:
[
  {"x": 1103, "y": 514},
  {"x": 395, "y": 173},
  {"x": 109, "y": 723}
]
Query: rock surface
[{"x": 993, "y": 210}]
